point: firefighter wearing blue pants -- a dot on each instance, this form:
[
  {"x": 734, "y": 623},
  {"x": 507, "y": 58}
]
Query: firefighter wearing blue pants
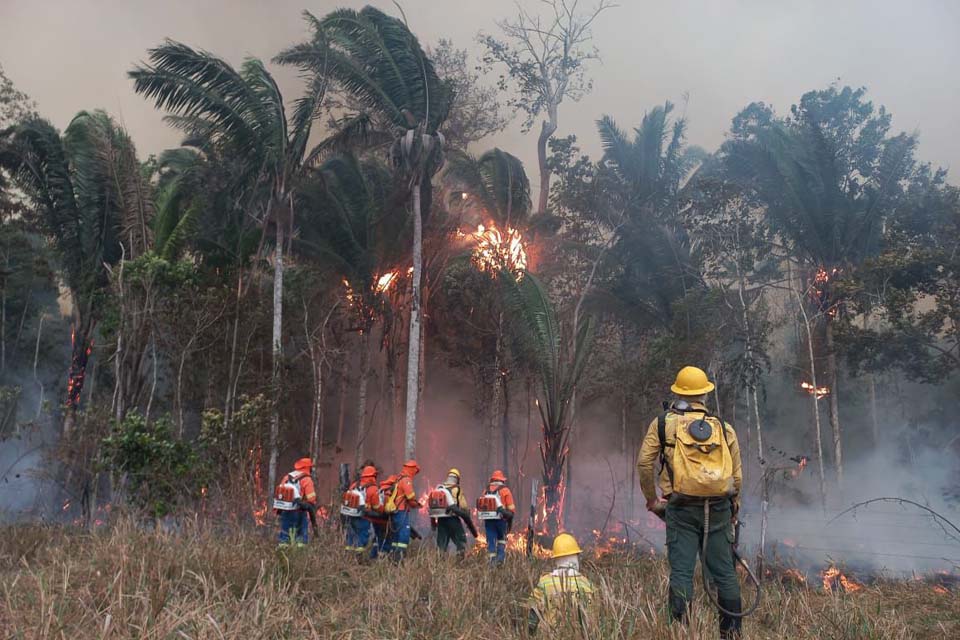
[
  {"x": 402, "y": 499},
  {"x": 496, "y": 508},
  {"x": 361, "y": 501},
  {"x": 292, "y": 497}
]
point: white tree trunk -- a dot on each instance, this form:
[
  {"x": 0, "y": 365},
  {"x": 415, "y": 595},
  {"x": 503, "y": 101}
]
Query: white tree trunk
[
  {"x": 413, "y": 351},
  {"x": 815, "y": 401},
  {"x": 277, "y": 356},
  {"x": 362, "y": 396}
]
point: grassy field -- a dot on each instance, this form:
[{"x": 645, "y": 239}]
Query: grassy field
[{"x": 62, "y": 583}]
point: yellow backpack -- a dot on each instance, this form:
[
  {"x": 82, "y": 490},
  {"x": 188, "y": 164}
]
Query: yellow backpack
[
  {"x": 390, "y": 504},
  {"x": 701, "y": 465}
]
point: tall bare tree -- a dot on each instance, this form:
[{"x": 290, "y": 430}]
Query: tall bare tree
[{"x": 546, "y": 60}]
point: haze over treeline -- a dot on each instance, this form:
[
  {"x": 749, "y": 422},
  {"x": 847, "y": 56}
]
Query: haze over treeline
[
  {"x": 69, "y": 55},
  {"x": 206, "y": 278}
]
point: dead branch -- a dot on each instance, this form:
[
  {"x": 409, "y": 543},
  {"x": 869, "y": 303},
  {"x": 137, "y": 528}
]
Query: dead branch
[{"x": 939, "y": 519}]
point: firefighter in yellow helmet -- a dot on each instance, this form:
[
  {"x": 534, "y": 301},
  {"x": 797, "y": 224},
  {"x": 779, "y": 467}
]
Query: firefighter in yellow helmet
[
  {"x": 562, "y": 597},
  {"x": 699, "y": 479},
  {"x": 449, "y": 509}
]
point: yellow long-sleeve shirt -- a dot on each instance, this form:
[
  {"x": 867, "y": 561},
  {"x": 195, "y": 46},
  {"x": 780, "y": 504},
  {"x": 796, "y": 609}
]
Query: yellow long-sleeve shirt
[
  {"x": 457, "y": 494},
  {"x": 650, "y": 454}
]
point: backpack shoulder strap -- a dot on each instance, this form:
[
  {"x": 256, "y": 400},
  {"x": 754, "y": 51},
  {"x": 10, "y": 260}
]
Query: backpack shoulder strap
[{"x": 662, "y": 435}]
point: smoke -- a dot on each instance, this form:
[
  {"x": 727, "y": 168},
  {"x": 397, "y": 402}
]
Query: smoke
[{"x": 884, "y": 537}]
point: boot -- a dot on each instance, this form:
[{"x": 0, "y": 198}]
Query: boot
[
  {"x": 730, "y": 625},
  {"x": 678, "y": 607}
]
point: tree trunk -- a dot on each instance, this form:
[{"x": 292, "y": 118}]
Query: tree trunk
[
  {"x": 547, "y": 129},
  {"x": 505, "y": 426},
  {"x": 277, "y": 357},
  {"x": 494, "y": 415},
  {"x": 341, "y": 406},
  {"x": 413, "y": 350},
  {"x": 815, "y": 401},
  {"x": 362, "y": 396},
  {"x": 228, "y": 401},
  {"x": 834, "y": 403},
  {"x": 80, "y": 353}
]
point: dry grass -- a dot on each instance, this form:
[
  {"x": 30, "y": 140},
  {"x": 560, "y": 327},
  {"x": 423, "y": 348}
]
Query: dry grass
[{"x": 60, "y": 583}]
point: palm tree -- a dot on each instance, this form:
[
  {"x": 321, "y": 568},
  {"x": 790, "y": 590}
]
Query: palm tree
[
  {"x": 379, "y": 64},
  {"x": 642, "y": 176},
  {"x": 829, "y": 176},
  {"x": 497, "y": 187},
  {"x": 244, "y": 113},
  {"x": 559, "y": 362},
  {"x": 95, "y": 205},
  {"x": 352, "y": 221}
]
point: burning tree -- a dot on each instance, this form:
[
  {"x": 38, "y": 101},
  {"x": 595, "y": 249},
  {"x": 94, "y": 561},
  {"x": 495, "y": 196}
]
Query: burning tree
[
  {"x": 89, "y": 193},
  {"x": 559, "y": 362},
  {"x": 351, "y": 223},
  {"x": 496, "y": 188},
  {"x": 829, "y": 176}
]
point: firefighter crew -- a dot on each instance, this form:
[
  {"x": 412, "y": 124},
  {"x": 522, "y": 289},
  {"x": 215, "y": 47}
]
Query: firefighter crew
[
  {"x": 293, "y": 498},
  {"x": 496, "y": 508},
  {"x": 700, "y": 478},
  {"x": 381, "y": 520},
  {"x": 448, "y": 509},
  {"x": 562, "y": 597},
  {"x": 362, "y": 499},
  {"x": 401, "y": 500}
]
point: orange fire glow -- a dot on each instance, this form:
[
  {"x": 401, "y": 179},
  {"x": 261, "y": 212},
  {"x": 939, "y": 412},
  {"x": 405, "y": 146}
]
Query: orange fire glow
[
  {"x": 792, "y": 575},
  {"x": 516, "y": 543},
  {"x": 941, "y": 590},
  {"x": 834, "y": 580},
  {"x": 496, "y": 251},
  {"x": 820, "y": 392},
  {"x": 801, "y": 465}
]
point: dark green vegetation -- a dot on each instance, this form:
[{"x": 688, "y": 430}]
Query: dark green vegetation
[{"x": 308, "y": 275}]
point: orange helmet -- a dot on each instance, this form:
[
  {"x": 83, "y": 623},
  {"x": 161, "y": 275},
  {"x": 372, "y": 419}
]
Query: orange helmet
[
  {"x": 368, "y": 472},
  {"x": 303, "y": 464},
  {"x": 412, "y": 466},
  {"x": 498, "y": 476}
]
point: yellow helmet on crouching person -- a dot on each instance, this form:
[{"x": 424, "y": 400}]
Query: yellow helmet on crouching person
[
  {"x": 454, "y": 473},
  {"x": 565, "y": 545},
  {"x": 692, "y": 381}
]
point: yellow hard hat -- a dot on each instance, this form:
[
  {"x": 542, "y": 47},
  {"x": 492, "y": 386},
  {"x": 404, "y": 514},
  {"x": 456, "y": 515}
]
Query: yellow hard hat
[
  {"x": 454, "y": 472},
  {"x": 565, "y": 545},
  {"x": 692, "y": 381}
]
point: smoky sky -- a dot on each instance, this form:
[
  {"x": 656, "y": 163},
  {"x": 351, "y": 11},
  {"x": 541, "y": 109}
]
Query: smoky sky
[{"x": 710, "y": 57}]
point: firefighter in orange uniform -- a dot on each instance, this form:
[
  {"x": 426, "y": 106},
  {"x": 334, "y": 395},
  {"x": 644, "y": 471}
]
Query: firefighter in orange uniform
[
  {"x": 293, "y": 498},
  {"x": 402, "y": 499},
  {"x": 361, "y": 500},
  {"x": 381, "y": 519},
  {"x": 496, "y": 508}
]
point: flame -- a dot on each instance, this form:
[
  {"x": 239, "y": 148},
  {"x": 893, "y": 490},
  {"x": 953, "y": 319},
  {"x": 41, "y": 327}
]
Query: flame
[
  {"x": 820, "y": 392},
  {"x": 833, "y": 579},
  {"x": 66, "y": 505},
  {"x": 801, "y": 465},
  {"x": 941, "y": 590},
  {"x": 259, "y": 509},
  {"x": 792, "y": 575},
  {"x": 821, "y": 293},
  {"x": 495, "y": 251},
  {"x": 516, "y": 543},
  {"x": 789, "y": 542}
]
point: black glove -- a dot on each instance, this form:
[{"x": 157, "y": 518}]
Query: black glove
[{"x": 505, "y": 513}]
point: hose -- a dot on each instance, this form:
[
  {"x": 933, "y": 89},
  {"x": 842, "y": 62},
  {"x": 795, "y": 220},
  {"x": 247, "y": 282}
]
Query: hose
[{"x": 736, "y": 556}]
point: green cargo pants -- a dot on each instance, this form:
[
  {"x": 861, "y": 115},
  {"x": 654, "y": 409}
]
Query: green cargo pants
[
  {"x": 684, "y": 540},
  {"x": 451, "y": 530}
]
